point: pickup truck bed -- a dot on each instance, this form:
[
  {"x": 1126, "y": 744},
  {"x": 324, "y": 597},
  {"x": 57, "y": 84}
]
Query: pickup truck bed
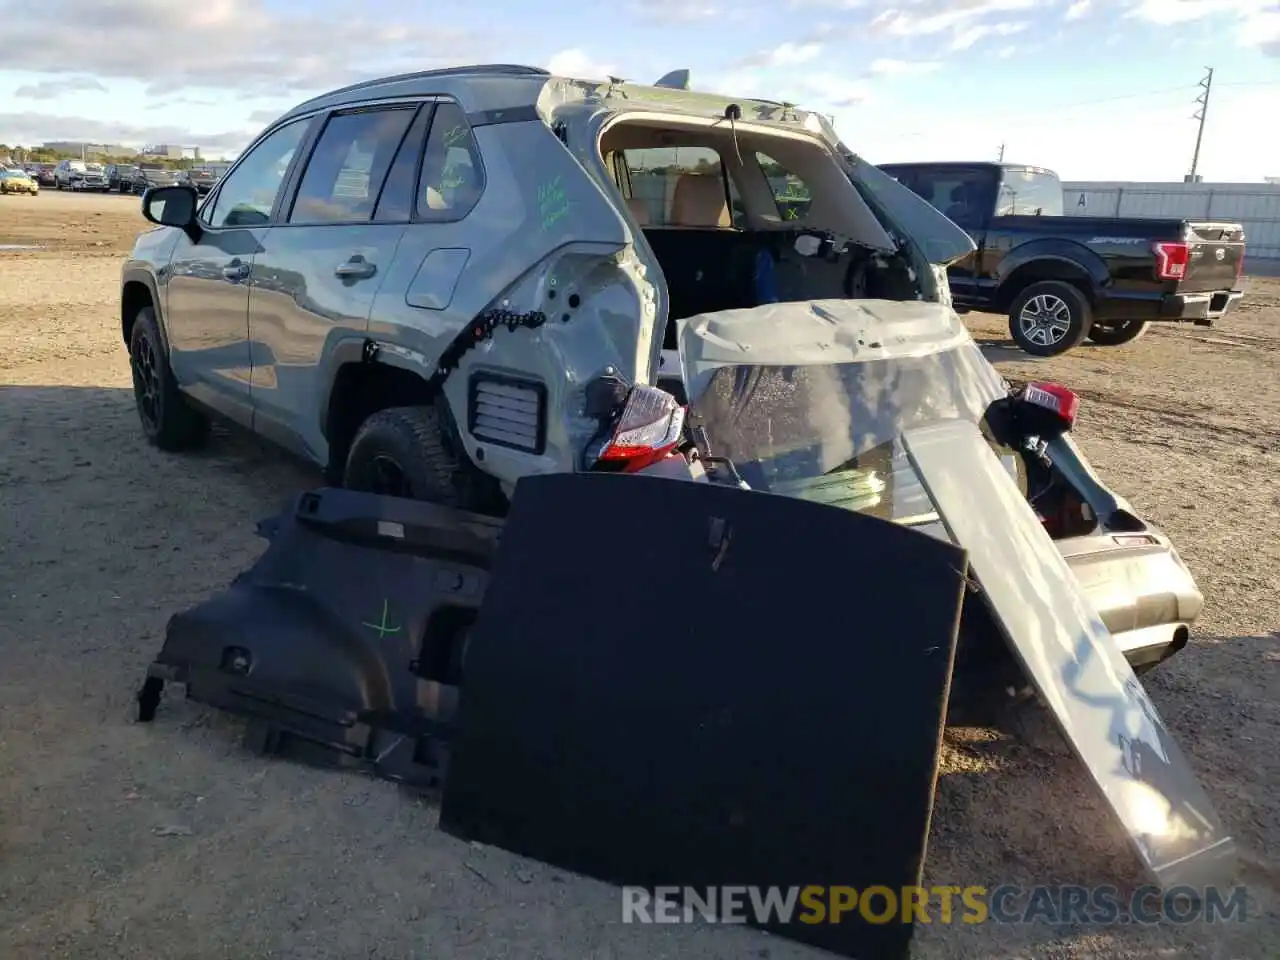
[{"x": 1066, "y": 279}]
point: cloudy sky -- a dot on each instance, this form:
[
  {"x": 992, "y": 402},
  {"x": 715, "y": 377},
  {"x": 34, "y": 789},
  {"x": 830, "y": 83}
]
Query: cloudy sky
[{"x": 1096, "y": 89}]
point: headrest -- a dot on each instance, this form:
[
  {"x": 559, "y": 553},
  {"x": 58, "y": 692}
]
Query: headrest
[{"x": 700, "y": 201}]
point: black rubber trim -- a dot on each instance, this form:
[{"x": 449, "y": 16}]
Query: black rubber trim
[{"x": 485, "y": 118}]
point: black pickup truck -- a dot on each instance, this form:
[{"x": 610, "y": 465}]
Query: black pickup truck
[{"x": 1065, "y": 279}]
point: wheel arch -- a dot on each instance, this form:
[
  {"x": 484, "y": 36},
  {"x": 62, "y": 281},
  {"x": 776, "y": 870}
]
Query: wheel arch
[
  {"x": 138, "y": 290},
  {"x": 363, "y": 380},
  {"x": 1051, "y": 265}
]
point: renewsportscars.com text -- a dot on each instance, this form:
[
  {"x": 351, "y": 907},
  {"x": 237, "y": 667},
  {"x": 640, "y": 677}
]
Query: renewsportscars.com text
[{"x": 938, "y": 904}]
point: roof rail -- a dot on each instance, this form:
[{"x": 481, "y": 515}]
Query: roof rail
[{"x": 502, "y": 69}]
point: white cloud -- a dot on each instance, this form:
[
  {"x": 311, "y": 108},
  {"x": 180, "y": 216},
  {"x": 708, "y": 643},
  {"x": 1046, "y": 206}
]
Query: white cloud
[
  {"x": 52, "y": 89},
  {"x": 1185, "y": 11},
  {"x": 244, "y": 45},
  {"x": 1262, "y": 30},
  {"x": 836, "y": 90},
  {"x": 1257, "y": 21},
  {"x": 968, "y": 37},
  {"x": 931, "y": 17},
  {"x": 1078, "y": 9},
  {"x": 576, "y": 63},
  {"x": 32, "y": 128},
  {"x": 678, "y": 11},
  {"x": 785, "y": 55},
  {"x": 1004, "y": 53},
  {"x": 900, "y": 67}
]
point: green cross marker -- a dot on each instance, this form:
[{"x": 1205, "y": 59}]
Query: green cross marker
[{"x": 382, "y": 628}]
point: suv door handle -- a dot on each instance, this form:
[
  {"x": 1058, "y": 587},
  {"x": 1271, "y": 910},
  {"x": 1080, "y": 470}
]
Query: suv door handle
[
  {"x": 357, "y": 268},
  {"x": 235, "y": 271}
]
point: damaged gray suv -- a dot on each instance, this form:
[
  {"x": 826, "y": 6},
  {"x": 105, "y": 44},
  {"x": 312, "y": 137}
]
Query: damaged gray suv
[{"x": 435, "y": 284}]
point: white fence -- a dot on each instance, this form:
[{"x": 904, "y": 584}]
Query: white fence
[{"x": 1256, "y": 205}]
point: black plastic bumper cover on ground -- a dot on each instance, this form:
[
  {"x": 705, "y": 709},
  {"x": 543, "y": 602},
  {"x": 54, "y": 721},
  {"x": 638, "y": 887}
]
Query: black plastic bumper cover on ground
[
  {"x": 667, "y": 684},
  {"x": 689, "y": 685},
  {"x": 336, "y": 641}
]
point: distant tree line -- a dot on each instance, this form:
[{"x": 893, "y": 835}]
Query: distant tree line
[{"x": 41, "y": 155}]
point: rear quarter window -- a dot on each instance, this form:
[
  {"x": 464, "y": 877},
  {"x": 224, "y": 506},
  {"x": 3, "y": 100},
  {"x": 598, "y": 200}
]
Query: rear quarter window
[{"x": 452, "y": 177}]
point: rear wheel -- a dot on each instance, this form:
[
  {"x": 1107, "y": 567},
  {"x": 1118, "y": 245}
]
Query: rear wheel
[
  {"x": 168, "y": 421},
  {"x": 1049, "y": 318},
  {"x": 407, "y": 452},
  {"x": 1113, "y": 333}
]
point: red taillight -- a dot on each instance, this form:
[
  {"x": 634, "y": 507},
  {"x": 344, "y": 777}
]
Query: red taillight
[
  {"x": 648, "y": 429},
  {"x": 1172, "y": 259},
  {"x": 1054, "y": 398}
]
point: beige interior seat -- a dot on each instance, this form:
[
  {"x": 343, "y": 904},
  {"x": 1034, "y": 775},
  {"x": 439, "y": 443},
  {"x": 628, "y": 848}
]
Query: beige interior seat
[
  {"x": 639, "y": 211},
  {"x": 699, "y": 201}
]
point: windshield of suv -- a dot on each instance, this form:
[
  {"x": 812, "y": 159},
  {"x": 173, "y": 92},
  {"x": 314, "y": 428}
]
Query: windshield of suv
[{"x": 831, "y": 432}]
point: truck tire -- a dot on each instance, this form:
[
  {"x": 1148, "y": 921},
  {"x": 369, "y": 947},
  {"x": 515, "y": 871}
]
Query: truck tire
[
  {"x": 169, "y": 422},
  {"x": 404, "y": 452},
  {"x": 1112, "y": 333},
  {"x": 1049, "y": 318}
]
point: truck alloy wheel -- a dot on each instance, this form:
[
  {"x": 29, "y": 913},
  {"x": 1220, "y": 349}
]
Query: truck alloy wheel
[{"x": 1049, "y": 318}]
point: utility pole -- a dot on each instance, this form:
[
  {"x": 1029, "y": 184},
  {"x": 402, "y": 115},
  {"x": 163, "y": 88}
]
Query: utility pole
[
  {"x": 1000, "y": 159},
  {"x": 1203, "y": 100}
]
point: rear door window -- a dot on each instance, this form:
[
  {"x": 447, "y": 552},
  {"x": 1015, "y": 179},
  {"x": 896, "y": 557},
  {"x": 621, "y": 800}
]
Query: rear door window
[
  {"x": 348, "y": 166},
  {"x": 395, "y": 204}
]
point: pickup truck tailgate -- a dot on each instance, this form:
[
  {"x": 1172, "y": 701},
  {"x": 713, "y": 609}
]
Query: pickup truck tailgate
[{"x": 1216, "y": 257}]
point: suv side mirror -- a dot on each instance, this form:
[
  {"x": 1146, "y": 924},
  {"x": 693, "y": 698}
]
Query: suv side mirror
[{"x": 171, "y": 207}]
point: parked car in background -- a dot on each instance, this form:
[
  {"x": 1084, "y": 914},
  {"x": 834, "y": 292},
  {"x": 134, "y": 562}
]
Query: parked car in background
[
  {"x": 120, "y": 177},
  {"x": 64, "y": 171},
  {"x": 44, "y": 174},
  {"x": 149, "y": 175},
  {"x": 1063, "y": 280},
  {"x": 18, "y": 181},
  {"x": 202, "y": 181},
  {"x": 80, "y": 175}
]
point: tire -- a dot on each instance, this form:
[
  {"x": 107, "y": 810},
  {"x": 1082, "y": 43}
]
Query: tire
[
  {"x": 404, "y": 452},
  {"x": 1117, "y": 332},
  {"x": 168, "y": 421},
  {"x": 1066, "y": 318}
]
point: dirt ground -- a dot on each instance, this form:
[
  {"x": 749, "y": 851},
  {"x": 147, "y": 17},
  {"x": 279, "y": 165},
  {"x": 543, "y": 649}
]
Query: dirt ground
[{"x": 169, "y": 840}]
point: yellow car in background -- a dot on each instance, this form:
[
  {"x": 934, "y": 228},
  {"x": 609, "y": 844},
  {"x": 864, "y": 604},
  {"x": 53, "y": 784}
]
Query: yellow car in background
[{"x": 16, "y": 181}]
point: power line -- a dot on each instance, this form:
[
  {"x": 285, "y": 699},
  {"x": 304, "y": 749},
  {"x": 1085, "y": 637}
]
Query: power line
[{"x": 1049, "y": 111}]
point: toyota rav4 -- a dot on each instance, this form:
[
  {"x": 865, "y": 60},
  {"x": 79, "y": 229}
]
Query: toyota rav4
[{"x": 435, "y": 284}]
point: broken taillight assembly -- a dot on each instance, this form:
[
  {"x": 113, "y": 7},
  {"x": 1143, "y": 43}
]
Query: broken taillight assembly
[
  {"x": 1049, "y": 408},
  {"x": 1172, "y": 258},
  {"x": 648, "y": 428}
]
